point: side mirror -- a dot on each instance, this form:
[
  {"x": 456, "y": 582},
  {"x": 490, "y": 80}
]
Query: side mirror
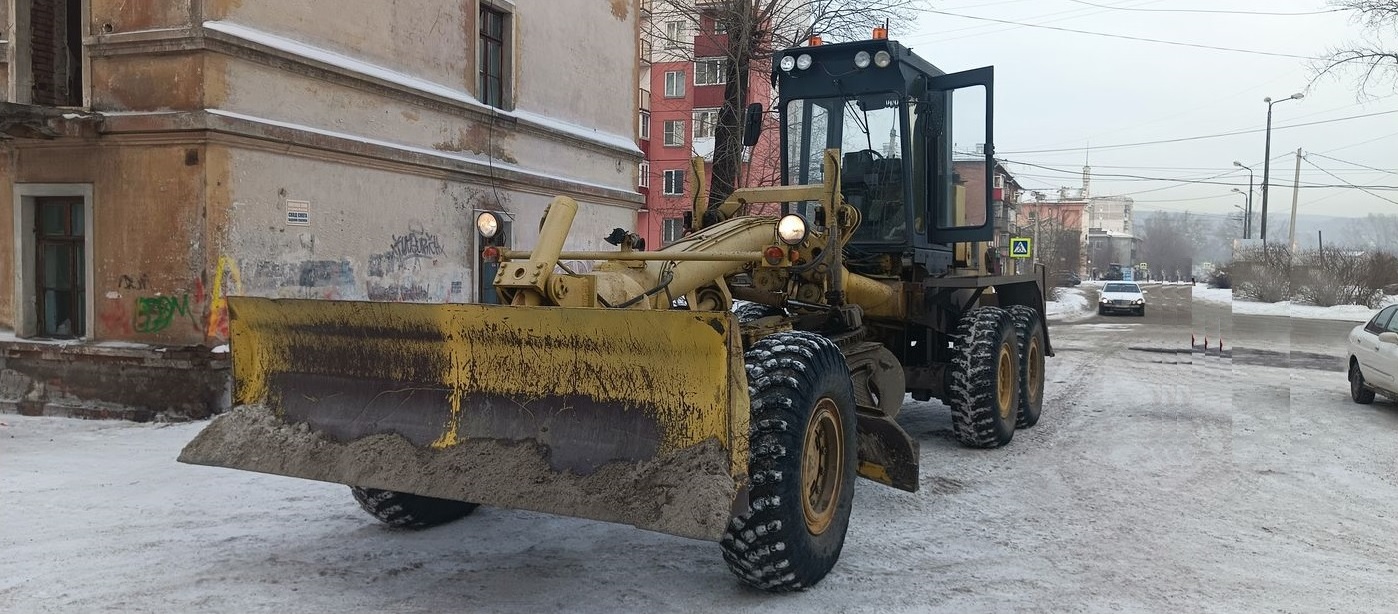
[
  {"x": 1389, "y": 337},
  {"x": 752, "y": 124}
]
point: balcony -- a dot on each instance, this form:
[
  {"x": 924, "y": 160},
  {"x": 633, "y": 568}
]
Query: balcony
[
  {"x": 645, "y": 51},
  {"x": 644, "y": 102}
]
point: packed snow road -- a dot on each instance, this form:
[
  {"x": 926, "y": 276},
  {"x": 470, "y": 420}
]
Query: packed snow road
[{"x": 1157, "y": 480}]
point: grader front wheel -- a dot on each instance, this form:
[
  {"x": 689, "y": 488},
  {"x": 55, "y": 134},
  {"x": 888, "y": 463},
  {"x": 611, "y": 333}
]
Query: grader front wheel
[
  {"x": 985, "y": 387},
  {"x": 802, "y": 465}
]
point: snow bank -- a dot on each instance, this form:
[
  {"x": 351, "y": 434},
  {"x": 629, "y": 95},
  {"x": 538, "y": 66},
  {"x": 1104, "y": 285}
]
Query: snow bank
[
  {"x": 1346, "y": 313},
  {"x": 1072, "y": 304},
  {"x": 1217, "y": 296}
]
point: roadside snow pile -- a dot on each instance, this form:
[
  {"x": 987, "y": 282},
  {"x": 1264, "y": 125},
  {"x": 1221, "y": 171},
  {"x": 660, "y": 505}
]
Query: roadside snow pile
[
  {"x": 1345, "y": 313},
  {"x": 1072, "y": 304},
  {"x": 1217, "y": 296}
]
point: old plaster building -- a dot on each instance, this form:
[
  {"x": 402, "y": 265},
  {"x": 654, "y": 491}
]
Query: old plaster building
[{"x": 162, "y": 155}]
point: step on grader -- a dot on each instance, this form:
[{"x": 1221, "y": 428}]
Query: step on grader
[{"x": 727, "y": 387}]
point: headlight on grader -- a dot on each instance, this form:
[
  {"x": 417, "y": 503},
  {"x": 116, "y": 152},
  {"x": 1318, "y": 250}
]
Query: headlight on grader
[
  {"x": 803, "y": 61},
  {"x": 788, "y": 63},
  {"x": 862, "y": 59},
  {"x": 487, "y": 224},
  {"x": 792, "y": 229},
  {"x": 882, "y": 59}
]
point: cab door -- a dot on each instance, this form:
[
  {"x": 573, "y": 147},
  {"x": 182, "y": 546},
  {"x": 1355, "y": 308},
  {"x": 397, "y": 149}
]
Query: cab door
[{"x": 957, "y": 117}]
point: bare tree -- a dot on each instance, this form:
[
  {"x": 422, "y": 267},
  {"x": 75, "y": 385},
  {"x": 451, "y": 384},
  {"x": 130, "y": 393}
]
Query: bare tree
[
  {"x": 1373, "y": 232},
  {"x": 1373, "y": 59},
  {"x": 746, "y": 34},
  {"x": 1169, "y": 242}
]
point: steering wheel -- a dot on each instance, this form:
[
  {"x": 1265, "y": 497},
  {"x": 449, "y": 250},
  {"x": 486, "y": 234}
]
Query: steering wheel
[{"x": 877, "y": 155}]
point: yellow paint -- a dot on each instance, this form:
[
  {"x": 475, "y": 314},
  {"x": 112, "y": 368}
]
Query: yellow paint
[
  {"x": 682, "y": 369},
  {"x": 877, "y": 473},
  {"x": 218, "y": 300}
]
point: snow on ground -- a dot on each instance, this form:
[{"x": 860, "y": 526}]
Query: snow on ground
[
  {"x": 1217, "y": 296},
  {"x": 1072, "y": 304},
  {"x": 1348, "y": 313},
  {"x": 1153, "y": 483}
]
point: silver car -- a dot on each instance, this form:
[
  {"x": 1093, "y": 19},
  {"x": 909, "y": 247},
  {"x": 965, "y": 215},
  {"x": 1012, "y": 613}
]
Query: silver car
[
  {"x": 1373, "y": 357},
  {"x": 1122, "y": 297}
]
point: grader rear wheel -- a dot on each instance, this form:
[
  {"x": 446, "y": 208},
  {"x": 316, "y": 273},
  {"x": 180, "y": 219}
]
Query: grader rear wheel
[
  {"x": 1029, "y": 331},
  {"x": 802, "y": 464},
  {"x": 985, "y": 389}
]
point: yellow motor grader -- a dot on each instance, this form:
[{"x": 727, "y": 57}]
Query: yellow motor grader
[{"x": 727, "y": 387}]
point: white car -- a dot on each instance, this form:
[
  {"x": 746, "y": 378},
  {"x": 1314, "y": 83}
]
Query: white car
[
  {"x": 1373, "y": 357},
  {"x": 1122, "y": 296}
]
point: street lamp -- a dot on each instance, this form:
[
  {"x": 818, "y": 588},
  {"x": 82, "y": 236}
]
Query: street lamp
[
  {"x": 1267, "y": 157},
  {"x": 1247, "y": 220},
  {"x": 1246, "y": 210}
]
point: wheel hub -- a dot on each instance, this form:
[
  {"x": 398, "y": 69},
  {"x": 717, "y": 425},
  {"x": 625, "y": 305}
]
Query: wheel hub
[
  {"x": 1005, "y": 382},
  {"x": 822, "y": 460}
]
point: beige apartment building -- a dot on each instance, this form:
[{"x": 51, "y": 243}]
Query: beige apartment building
[{"x": 163, "y": 155}]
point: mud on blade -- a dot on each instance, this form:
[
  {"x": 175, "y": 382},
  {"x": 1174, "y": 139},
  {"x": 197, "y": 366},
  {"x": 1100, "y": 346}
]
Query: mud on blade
[{"x": 638, "y": 417}]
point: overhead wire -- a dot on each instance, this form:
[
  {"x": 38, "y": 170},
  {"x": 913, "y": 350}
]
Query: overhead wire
[
  {"x": 1213, "y": 11},
  {"x": 1123, "y": 36},
  {"x": 1360, "y": 188}
]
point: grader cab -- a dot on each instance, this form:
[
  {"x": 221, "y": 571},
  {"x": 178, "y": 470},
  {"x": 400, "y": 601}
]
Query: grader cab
[{"x": 727, "y": 387}]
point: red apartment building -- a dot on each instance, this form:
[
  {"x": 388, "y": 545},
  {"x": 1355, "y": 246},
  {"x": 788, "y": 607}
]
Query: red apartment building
[{"x": 683, "y": 73}]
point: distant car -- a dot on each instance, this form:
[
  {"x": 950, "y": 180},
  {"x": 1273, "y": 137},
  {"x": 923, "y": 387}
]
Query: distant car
[
  {"x": 1122, "y": 297},
  {"x": 1067, "y": 279},
  {"x": 1373, "y": 357}
]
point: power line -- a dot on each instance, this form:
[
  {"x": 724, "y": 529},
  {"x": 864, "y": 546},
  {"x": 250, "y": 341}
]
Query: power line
[
  {"x": 1269, "y": 13},
  {"x": 1195, "y": 181},
  {"x": 1202, "y": 136},
  {"x": 1308, "y": 161},
  {"x": 1123, "y": 36},
  {"x": 1352, "y": 164}
]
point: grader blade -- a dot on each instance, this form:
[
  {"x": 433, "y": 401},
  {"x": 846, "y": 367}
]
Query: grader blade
[{"x": 629, "y": 416}]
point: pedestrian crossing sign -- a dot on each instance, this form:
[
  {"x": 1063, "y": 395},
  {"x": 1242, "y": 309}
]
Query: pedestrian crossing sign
[{"x": 1020, "y": 247}]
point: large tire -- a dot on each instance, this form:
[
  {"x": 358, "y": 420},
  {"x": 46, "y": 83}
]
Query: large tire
[
  {"x": 803, "y": 453},
  {"x": 1029, "y": 331},
  {"x": 409, "y": 511},
  {"x": 984, "y": 379},
  {"x": 1358, "y": 390},
  {"x": 748, "y": 312}
]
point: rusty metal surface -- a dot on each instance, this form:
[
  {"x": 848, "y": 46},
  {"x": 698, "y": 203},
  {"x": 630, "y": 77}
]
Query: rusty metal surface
[{"x": 586, "y": 391}]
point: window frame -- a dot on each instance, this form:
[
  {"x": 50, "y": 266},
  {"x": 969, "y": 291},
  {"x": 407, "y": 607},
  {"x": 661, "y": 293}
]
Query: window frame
[
  {"x": 25, "y": 256},
  {"x": 678, "y": 83},
  {"x": 644, "y": 129},
  {"x": 697, "y": 116},
  {"x": 643, "y": 175},
  {"x": 671, "y": 230},
  {"x": 667, "y": 182},
  {"x": 720, "y": 66},
  {"x": 484, "y": 42},
  {"x": 675, "y": 39},
  {"x": 679, "y": 133}
]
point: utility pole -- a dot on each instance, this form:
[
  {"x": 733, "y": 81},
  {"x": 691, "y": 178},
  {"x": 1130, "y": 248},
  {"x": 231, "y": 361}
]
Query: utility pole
[
  {"x": 1295, "y": 195},
  {"x": 1267, "y": 158}
]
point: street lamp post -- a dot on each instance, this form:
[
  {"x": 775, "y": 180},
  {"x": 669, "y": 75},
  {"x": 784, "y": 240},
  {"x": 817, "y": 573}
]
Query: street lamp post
[
  {"x": 1267, "y": 157},
  {"x": 1247, "y": 219},
  {"x": 1244, "y": 210}
]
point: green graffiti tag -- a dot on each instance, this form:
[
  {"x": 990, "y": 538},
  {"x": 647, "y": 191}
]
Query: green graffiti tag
[{"x": 155, "y": 313}]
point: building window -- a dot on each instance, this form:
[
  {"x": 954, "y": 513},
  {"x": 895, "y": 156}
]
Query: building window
[
  {"x": 674, "y": 35},
  {"x": 643, "y": 179},
  {"x": 674, "y": 183},
  {"x": 674, "y": 84},
  {"x": 674, "y": 133},
  {"x": 59, "y": 278},
  {"x": 53, "y": 57},
  {"x": 645, "y": 124},
  {"x": 709, "y": 71},
  {"x": 492, "y": 58},
  {"x": 671, "y": 230},
  {"x": 704, "y": 122},
  {"x": 719, "y": 25}
]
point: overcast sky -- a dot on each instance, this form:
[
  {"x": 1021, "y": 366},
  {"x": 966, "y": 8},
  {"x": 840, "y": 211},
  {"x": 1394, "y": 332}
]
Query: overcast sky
[{"x": 1060, "y": 90}]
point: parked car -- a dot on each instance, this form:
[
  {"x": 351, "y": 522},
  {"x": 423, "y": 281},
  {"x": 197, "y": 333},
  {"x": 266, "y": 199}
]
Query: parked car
[
  {"x": 1373, "y": 357},
  {"x": 1067, "y": 279},
  {"x": 1122, "y": 297}
]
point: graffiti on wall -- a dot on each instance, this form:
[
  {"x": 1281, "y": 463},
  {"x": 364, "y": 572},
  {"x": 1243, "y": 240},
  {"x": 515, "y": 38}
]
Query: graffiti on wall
[
  {"x": 138, "y": 281},
  {"x": 154, "y": 314},
  {"x": 407, "y": 252},
  {"x": 227, "y": 280}
]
